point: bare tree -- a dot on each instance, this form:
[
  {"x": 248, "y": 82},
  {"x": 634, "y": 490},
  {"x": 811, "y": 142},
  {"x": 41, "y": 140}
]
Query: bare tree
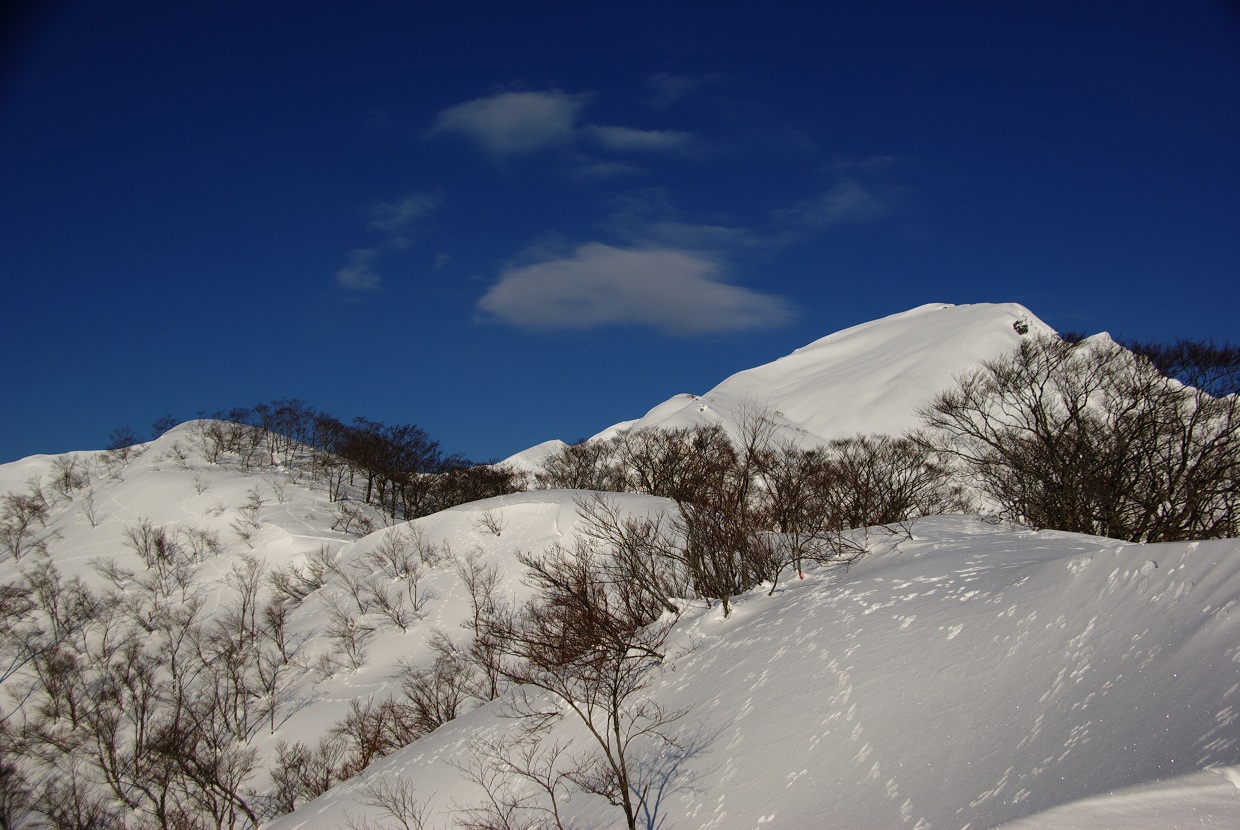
[
  {"x": 439, "y": 693},
  {"x": 19, "y": 513},
  {"x": 646, "y": 562},
  {"x": 396, "y": 800},
  {"x": 1091, "y": 438},
  {"x": 68, "y": 475},
  {"x": 586, "y": 465},
  {"x": 1211, "y": 367},
  {"x": 579, "y": 644},
  {"x": 123, "y": 445}
]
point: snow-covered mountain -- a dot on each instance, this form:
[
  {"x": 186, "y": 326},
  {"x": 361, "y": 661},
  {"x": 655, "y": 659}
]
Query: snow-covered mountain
[
  {"x": 870, "y": 378},
  {"x": 961, "y": 674}
]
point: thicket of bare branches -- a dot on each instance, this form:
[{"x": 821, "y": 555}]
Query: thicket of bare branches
[
  {"x": 1089, "y": 437},
  {"x": 131, "y": 705},
  {"x": 396, "y": 469},
  {"x": 750, "y": 507}
]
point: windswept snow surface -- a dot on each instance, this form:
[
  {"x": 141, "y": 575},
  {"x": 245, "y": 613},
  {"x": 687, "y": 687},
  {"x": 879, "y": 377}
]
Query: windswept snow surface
[
  {"x": 969, "y": 676},
  {"x": 869, "y": 378}
]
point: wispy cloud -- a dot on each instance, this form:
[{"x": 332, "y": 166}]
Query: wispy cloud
[
  {"x": 677, "y": 291},
  {"x": 645, "y": 217},
  {"x": 846, "y": 202},
  {"x": 395, "y": 220},
  {"x": 628, "y": 139},
  {"x": 514, "y": 123},
  {"x": 669, "y": 88},
  {"x": 358, "y": 274},
  {"x": 399, "y": 215}
]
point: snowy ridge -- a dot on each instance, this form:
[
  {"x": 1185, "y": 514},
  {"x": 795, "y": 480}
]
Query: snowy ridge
[{"x": 870, "y": 378}]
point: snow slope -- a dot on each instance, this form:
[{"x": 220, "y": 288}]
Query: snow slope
[
  {"x": 963, "y": 674},
  {"x": 969, "y": 676},
  {"x": 868, "y": 378}
]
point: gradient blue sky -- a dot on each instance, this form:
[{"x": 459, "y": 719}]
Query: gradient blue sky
[{"x": 512, "y": 222}]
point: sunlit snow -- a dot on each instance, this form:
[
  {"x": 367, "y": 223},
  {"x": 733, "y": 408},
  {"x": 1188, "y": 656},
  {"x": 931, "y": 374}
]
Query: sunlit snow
[{"x": 964, "y": 673}]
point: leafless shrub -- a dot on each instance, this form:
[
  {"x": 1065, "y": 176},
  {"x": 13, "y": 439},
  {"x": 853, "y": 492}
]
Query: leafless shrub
[
  {"x": 347, "y": 632},
  {"x": 178, "y": 453},
  {"x": 1094, "y": 439},
  {"x": 396, "y": 800},
  {"x": 90, "y": 509},
  {"x": 395, "y": 556},
  {"x": 579, "y": 644},
  {"x": 123, "y": 446},
  {"x": 68, "y": 476},
  {"x": 158, "y": 546},
  {"x": 481, "y": 581},
  {"x": 390, "y": 600},
  {"x": 201, "y": 542},
  {"x": 302, "y": 773},
  {"x": 439, "y": 693},
  {"x": 19, "y": 514},
  {"x": 496, "y": 763},
  {"x": 279, "y": 488},
  {"x": 491, "y": 521},
  {"x": 353, "y": 517},
  {"x": 374, "y": 729}
]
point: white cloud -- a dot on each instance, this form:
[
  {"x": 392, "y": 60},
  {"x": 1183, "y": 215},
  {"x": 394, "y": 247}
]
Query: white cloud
[
  {"x": 514, "y": 123},
  {"x": 400, "y": 214},
  {"x": 628, "y": 139},
  {"x": 677, "y": 291},
  {"x": 358, "y": 275}
]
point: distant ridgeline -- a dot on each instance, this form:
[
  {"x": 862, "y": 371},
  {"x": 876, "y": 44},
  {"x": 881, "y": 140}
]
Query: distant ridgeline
[{"x": 1091, "y": 439}]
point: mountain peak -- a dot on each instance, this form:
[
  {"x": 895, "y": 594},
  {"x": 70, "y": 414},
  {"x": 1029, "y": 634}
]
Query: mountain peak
[{"x": 868, "y": 378}]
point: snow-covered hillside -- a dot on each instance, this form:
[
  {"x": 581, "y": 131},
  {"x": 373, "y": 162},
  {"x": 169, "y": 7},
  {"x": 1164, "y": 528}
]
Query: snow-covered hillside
[
  {"x": 961, "y": 674},
  {"x": 870, "y": 378}
]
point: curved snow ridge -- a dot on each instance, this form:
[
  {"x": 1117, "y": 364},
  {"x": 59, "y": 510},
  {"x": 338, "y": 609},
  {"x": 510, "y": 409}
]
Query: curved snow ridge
[
  {"x": 1207, "y": 798},
  {"x": 872, "y": 377}
]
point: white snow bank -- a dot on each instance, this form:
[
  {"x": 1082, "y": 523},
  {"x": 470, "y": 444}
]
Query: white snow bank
[{"x": 967, "y": 677}]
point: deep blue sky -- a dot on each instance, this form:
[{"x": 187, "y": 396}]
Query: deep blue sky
[{"x": 508, "y": 222}]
